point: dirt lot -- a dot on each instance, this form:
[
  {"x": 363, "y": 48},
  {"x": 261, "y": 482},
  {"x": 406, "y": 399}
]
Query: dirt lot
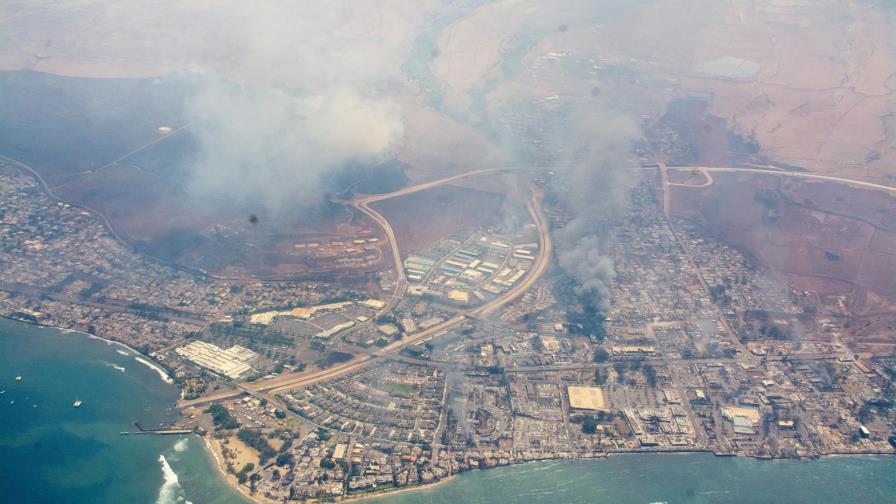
[{"x": 422, "y": 218}]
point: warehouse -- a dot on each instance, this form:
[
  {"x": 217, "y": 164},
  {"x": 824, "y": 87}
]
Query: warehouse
[{"x": 231, "y": 363}]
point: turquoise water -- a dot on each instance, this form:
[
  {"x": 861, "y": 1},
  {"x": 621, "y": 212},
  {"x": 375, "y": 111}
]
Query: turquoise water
[
  {"x": 57, "y": 453},
  {"x": 672, "y": 478}
]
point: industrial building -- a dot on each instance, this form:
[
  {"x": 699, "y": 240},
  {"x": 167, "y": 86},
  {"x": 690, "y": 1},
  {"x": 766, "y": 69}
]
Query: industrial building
[{"x": 231, "y": 363}]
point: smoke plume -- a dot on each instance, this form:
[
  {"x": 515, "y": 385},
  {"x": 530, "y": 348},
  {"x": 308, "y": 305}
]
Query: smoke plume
[
  {"x": 273, "y": 147},
  {"x": 587, "y": 145},
  {"x": 316, "y": 93}
]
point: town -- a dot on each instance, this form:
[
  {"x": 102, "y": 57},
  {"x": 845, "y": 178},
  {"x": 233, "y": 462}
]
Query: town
[{"x": 312, "y": 390}]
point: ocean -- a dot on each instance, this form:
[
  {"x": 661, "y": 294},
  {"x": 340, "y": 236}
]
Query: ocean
[
  {"x": 53, "y": 452},
  {"x": 673, "y": 478}
]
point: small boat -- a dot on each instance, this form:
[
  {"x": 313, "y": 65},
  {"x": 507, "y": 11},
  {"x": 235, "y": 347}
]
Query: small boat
[
  {"x": 77, "y": 404},
  {"x": 18, "y": 378},
  {"x": 12, "y": 402}
]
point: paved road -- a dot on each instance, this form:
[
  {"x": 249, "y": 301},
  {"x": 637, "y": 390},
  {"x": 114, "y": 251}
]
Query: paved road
[
  {"x": 708, "y": 180},
  {"x": 782, "y": 173},
  {"x": 542, "y": 262},
  {"x": 401, "y": 281},
  {"x": 371, "y": 198},
  {"x": 362, "y": 202},
  {"x": 291, "y": 381}
]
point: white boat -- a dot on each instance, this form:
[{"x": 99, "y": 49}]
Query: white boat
[
  {"x": 18, "y": 378},
  {"x": 77, "y": 404}
]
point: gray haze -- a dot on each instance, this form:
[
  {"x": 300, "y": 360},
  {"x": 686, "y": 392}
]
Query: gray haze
[
  {"x": 317, "y": 93},
  {"x": 597, "y": 171},
  {"x": 269, "y": 147},
  {"x": 588, "y": 147},
  {"x": 598, "y": 175}
]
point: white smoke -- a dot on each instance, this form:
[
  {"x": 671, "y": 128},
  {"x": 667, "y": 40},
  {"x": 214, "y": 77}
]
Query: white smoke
[
  {"x": 319, "y": 87},
  {"x": 273, "y": 147}
]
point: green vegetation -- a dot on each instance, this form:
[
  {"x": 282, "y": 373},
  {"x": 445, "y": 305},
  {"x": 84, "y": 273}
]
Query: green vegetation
[
  {"x": 401, "y": 389},
  {"x": 88, "y": 292},
  {"x": 619, "y": 367},
  {"x": 221, "y": 417},
  {"x": 649, "y": 375},
  {"x": 284, "y": 459},
  {"x": 718, "y": 294},
  {"x": 255, "y": 334},
  {"x": 243, "y": 475},
  {"x": 254, "y": 439},
  {"x": 589, "y": 425},
  {"x": 335, "y": 358},
  {"x": 600, "y": 377}
]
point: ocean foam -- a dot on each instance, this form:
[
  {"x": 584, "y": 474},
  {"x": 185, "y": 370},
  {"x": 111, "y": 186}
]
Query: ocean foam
[
  {"x": 114, "y": 366},
  {"x": 122, "y": 352},
  {"x": 162, "y": 373},
  {"x": 170, "y": 492},
  {"x": 181, "y": 445}
]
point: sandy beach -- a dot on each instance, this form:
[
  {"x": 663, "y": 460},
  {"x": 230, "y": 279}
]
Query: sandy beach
[{"x": 214, "y": 448}]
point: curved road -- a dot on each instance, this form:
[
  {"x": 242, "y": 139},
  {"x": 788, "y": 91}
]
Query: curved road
[
  {"x": 362, "y": 202},
  {"x": 781, "y": 173},
  {"x": 291, "y": 381}
]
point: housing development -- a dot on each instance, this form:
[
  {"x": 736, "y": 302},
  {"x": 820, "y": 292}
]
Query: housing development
[
  {"x": 448, "y": 251},
  {"x": 306, "y": 390}
]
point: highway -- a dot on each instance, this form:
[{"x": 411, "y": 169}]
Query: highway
[
  {"x": 708, "y": 180},
  {"x": 291, "y": 381},
  {"x": 362, "y": 202},
  {"x": 372, "y": 198},
  {"x": 542, "y": 262},
  {"x": 780, "y": 173},
  {"x": 401, "y": 281}
]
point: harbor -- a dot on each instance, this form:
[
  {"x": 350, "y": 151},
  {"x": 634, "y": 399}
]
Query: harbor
[{"x": 157, "y": 432}]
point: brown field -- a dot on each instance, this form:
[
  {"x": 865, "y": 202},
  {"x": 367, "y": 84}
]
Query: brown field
[
  {"x": 154, "y": 215},
  {"x": 420, "y": 219},
  {"x": 825, "y": 238}
]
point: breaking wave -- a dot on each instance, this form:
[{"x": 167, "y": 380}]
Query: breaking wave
[
  {"x": 162, "y": 373},
  {"x": 114, "y": 366},
  {"x": 181, "y": 445},
  {"x": 170, "y": 492}
]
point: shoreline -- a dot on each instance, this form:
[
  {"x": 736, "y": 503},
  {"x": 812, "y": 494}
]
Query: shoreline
[
  {"x": 213, "y": 449},
  {"x": 212, "y": 446},
  {"x": 140, "y": 357},
  {"x": 407, "y": 489},
  {"x": 430, "y": 486}
]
